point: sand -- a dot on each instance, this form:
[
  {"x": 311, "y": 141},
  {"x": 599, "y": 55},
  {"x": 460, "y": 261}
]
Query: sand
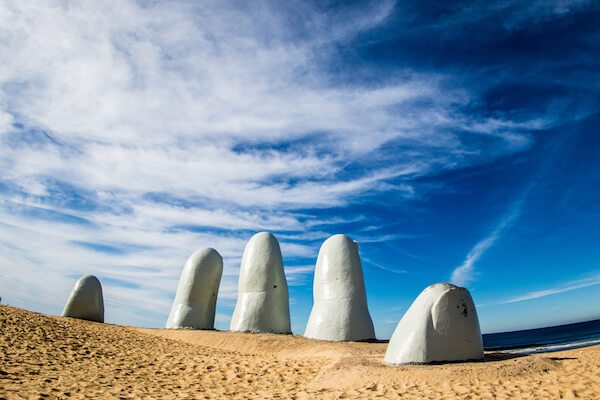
[{"x": 54, "y": 357}]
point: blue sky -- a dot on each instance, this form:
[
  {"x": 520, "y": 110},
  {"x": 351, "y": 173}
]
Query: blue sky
[{"x": 454, "y": 142}]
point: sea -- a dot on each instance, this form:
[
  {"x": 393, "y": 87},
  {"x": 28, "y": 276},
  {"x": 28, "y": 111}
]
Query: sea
[{"x": 543, "y": 340}]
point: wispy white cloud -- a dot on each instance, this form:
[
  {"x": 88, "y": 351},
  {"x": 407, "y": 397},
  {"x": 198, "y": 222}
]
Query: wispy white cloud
[
  {"x": 465, "y": 273},
  {"x": 514, "y": 14},
  {"x": 6, "y": 122},
  {"x": 566, "y": 287},
  {"x": 368, "y": 261},
  {"x": 299, "y": 275}
]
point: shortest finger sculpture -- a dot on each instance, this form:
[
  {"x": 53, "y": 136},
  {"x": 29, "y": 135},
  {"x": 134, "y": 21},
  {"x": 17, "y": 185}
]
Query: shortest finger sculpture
[
  {"x": 86, "y": 301},
  {"x": 440, "y": 325},
  {"x": 196, "y": 297}
]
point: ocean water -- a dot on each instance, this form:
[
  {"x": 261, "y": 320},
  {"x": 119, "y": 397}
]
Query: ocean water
[{"x": 542, "y": 340}]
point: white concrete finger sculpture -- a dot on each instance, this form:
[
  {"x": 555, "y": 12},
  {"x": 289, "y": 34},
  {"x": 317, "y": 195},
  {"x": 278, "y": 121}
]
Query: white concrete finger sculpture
[
  {"x": 263, "y": 302},
  {"x": 340, "y": 301},
  {"x": 440, "y": 325},
  {"x": 86, "y": 301},
  {"x": 196, "y": 297}
]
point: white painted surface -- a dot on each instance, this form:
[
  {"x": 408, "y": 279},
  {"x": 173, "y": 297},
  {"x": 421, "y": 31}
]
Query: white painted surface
[
  {"x": 263, "y": 300},
  {"x": 340, "y": 301},
  {"x": 196, "y": 298},
  {"x": 440, "y": 325},
  {"x": 85, "y": 300}
]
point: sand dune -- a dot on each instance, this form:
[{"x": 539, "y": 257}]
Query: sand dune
[{"x": 53, "y": 357}]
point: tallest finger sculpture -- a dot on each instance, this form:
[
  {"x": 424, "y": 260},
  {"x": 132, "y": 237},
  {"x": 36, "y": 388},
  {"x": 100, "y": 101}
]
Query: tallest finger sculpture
[
  {"x": 263, "y": 302},
  {"x": 340, "y": 301}
]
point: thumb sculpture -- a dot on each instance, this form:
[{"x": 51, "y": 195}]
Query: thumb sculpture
[
  {"x": 440, "y": 325},
  {"x": 86, "y": 301},
  {"x": 340, "y": 301},
  {"x": 263, "y": 302},
  {"x": 196, "y": 297}
]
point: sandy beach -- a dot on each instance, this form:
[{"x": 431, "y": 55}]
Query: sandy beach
[{"x": 52, "y": 357}]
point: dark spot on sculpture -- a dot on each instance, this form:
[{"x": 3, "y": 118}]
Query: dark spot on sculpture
[
  {"x": 465, "y": 312},
  {"x": 275, "y": 286}
]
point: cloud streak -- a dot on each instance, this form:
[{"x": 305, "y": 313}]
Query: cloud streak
[
  {"x": 465, "y": 273},
  {"x": 567, "y": 287}
]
